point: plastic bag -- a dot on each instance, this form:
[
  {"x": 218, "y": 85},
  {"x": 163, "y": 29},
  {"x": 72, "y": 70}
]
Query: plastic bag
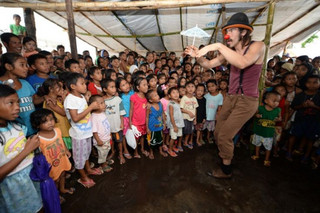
[{"x": 131, "y": 140}]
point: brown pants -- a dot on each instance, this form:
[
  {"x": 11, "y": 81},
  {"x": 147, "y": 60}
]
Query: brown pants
[{"x": 235, "y": 112}]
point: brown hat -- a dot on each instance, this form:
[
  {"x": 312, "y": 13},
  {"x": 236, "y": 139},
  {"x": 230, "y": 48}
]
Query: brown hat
[{"x": 239, "y": 20}]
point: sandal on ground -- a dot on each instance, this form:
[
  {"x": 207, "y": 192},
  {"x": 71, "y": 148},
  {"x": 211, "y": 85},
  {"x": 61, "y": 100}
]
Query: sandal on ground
[
  {"x": 164, "y": 148},
  {"x": 146, "y": 153},
  {"x": 219, "y": 174},
  {"x": 69, "y": 191},
  {"x": 172, "y": 153},
  {"x": 180, "y": 149},
  {"x": 121, "y": 160},
  {"x": 88, "y": 184},
  {"x": 254, "y": 157},
  {"x": 127, "y": 155},
  {"x": 110, "y": 162},
  {"x": 267, "y": 163},
  {"x": 164, "y": 154},
  {"x": 107, "y": 168},
  {"x": 137, "y": 156},
  {"x": 91, "y": 165},
  {"x": 96, "y": 171},
  {"x": 151, "y": 156}
]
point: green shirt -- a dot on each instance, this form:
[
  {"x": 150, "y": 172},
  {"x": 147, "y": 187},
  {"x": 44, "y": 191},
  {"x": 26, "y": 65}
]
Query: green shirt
[
  {"x": 17, "y": 29},
  {"x": 265, "y": 125}
]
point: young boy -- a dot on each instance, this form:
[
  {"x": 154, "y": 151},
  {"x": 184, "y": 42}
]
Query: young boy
[
  {"x": 115, "y": 112},
  {"x": 72, "y": 65},
  {"x": 78, "y": 113},
  {"x": 38, "y": 63},
  {"x": 264, "y": 126},
  {"x": 189, "y": 106},
  {"x": 201, "y": 112},
  {"x": 16, "y": 28},
  {"x": 214, "y": 102},
  {"x": 306, "y": 124}
]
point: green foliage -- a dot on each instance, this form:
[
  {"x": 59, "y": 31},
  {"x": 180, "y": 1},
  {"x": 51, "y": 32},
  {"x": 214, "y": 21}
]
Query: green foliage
[{"x": 309, "y": 40}]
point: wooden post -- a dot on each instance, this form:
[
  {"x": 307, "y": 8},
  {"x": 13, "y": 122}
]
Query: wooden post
[
  {"x": 30, "y": 23},
  {"x": 71, "y": 30},
  {"x": 267, "y": 43}
]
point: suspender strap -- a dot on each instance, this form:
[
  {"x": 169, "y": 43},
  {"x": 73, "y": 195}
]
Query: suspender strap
[{"x": 241, "y": 72}]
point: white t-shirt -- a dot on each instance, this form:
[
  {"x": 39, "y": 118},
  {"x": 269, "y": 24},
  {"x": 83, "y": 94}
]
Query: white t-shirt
[
  {"x": 189, "y": 104},
  {"x": 114, "y": 110},
  {"x": 13, "y": 140},
  {"x": 83, "y": 128},
  {"x": 100, "y": 125}
]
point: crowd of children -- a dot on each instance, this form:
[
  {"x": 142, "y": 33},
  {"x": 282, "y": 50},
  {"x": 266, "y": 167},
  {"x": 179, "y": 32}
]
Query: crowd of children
[{"x": 73, "y": 109}]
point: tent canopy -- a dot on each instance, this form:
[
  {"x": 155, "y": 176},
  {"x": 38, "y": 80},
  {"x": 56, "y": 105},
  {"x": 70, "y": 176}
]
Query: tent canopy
[{"x": 155, "y": 25}]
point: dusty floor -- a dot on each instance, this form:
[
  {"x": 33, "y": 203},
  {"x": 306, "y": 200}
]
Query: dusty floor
[{"x": 181, "y": 185}]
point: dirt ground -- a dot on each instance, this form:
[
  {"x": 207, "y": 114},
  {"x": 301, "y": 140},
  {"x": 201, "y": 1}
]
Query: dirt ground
[{"x": 182, "y": 185}]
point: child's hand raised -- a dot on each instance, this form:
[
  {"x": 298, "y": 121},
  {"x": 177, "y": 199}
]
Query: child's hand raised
[
  {"x": 32, "y": 143},
  {"x": 94, "y": 105}
]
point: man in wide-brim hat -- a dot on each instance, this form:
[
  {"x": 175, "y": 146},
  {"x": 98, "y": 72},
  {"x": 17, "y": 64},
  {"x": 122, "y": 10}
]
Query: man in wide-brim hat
[{"x": 241, "y": 103}]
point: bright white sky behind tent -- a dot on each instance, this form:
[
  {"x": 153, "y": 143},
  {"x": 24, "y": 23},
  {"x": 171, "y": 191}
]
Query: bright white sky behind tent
[{"x": 50, "y": 35}]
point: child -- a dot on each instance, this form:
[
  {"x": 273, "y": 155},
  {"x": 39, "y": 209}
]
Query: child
[
  {"x": 125, "y": 94},
  {"x": 223, "y": 86},
  {"x": 101, "y": 132},
  {"x": 52, "y": 147},
  {"x": 214, "y": 102},
  {"x": 201, "y": 112},
  {"x": 18, "y": 192},
  {"x": 95, "y": 77},
  {"x": 264, "y": 126},
  {"x": 16, "y": 28},
  {"x": 161, "y": 78},
  {"x": 14, "y": 66},
  {"x": 189, "y": 106},
  {"x": 306, "y": 124},
  {"x": 155, "y": 123},
  {"x": 172, "y": 82},
  {"x": 138, "y": 108},
  {"x": 29, "y": 47},
  {"x": 114, "y": 112},
  {"x": 38, "y": 63},
  {"x": 72, "y": 65},
  {"x": 78, "y": 113},
  {"x": 110, "y": 74},
  {"x": 52, "y": 88},
  {"x": 164, "y": 99},
  {"x": 152, "y": 81},
  {"x": 175, "y": 120}
]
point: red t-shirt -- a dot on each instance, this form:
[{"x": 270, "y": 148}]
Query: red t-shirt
[
  {"x": 139, "y": 109},
  {"x": 93, "y": 88}
]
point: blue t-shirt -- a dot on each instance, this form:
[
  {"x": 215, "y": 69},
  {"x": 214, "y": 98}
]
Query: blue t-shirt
[
  {"x": 212, "y": 104},
  {"x": 36, "y": 81},
  {"x": 155, "y": 119},
  {"x": 126, "y": 102},
  {"x": 25, "y": 94}
]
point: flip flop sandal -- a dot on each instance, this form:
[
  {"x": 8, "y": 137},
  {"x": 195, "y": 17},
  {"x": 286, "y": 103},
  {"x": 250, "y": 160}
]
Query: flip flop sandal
[
  {"x": 127, "y": 155},
  {"x": 96, "y": 171},
  {"x": 110, "y": 162},
  {"x": 86, "y": 184},
  {"x": 70, "y": 191},
  {"x": 137, "y": 156},
  {"x": 107, "y": 168},
  {"x": 145, "y": 153}
]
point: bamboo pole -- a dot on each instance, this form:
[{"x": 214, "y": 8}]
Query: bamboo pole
[
  {"x": 181, "y": 28},
  {"x": 267, "y": 43},
  {"x": 71, "y": 30},
  {"x": 30, "y": 23},
  {"x": 113, "y": 6}
]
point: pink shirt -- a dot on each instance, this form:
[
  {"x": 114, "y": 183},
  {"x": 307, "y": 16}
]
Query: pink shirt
[
  {"x": 250, "y": 80},
  {"x": 139, "y": 109},
  {"x": 164, "y": 103}
]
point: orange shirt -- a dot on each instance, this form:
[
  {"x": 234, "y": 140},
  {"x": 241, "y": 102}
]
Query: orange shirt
[{"x": 55, "y": 152}]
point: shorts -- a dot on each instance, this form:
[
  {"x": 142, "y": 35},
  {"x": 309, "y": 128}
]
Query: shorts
[
  {"x": 125, "y": 125},
  {"x": 277, "y": 134},
  {"x": 306, "y": 128},
  {"x": 188, "y": 127},
  {"x": 155, "y": 138},
  {"x": 258, "y": 140},
  {"x": 81, "y": 150},
  {"x": 175, "y": 135},
  {"x": 117, "y": 137},
  {"x": 209, "y": 125},
  {"x": 199, "y": 126},
  {"x": 103, "y": 152}
]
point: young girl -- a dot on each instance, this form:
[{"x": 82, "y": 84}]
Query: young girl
[
  {"x": 125, "y": 94},
  {"x": 201, "y": 112},
  {"x": 175, "y": 120},
  {"x": 53, "y": 89},
  {"x": 138, "y": 107},
  {"x": 128, "y": 78},
  {"x": 110, "y": 74},
  {"x": 52, "y": 146},
  {"x": 29, "y": 47},
  {"x": 18, "y": 192},
  {"x": 164, "y": 99},
  {"x": 14, "y": 66},
  {"x": 152, "y": 81},
  {"x": 155, "y": 123},
  {"x": 223, "y": 86},
  {"x": 101, "y": 133},
  {"x": 95, "y": 77}
]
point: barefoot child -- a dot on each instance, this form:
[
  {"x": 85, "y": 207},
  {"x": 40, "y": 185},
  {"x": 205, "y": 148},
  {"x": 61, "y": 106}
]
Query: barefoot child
[
  {"x": 155, "y": 122},
  {"x": 78, "y": 113},
  {"x": 264, "y": 126},
  {"x": 16, "y": 187},
  {"x": 52, "y": 147},
  {"x": 101, "y": 133},
  {"x": 175, "y": 120}
]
